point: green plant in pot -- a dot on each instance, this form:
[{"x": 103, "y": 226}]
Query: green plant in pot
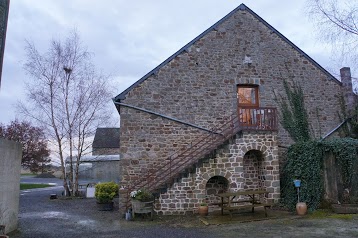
[
  {"x": 203, "y": 209},
  {"x": 142, "y": 202},
  {"x": 142, "y": 195},
  {"x": 104, "y": 193}
]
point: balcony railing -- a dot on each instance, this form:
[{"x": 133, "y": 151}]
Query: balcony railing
[{"x": 258, "y": 118}]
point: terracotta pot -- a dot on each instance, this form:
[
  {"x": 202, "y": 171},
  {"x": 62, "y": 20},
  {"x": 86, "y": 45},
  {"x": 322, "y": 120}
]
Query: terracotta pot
[
  {"x": 301, "y": 208},
  {"x": 203, "y": 210}
]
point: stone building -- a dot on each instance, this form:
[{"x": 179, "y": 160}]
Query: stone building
[
  {"x": 106, "y": 141},
  {"x": 206, "y": 121}
]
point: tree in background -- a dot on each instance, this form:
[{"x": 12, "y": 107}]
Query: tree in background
[
  {"x": 35, "y": 154},
  {"x": 68, "y": 97},
  {"x": 337, "y": 22}
]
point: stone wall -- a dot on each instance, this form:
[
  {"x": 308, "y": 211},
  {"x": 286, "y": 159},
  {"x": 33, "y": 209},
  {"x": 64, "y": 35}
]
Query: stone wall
[
  {"x": 10, "y": 167},
  {"x": 186, "y": 195}
]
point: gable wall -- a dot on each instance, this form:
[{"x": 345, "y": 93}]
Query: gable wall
[{"x": 199, "y": 87}]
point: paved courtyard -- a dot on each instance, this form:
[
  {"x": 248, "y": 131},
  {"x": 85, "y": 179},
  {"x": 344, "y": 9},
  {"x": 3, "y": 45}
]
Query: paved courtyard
[{"x": 41, "y": 217}]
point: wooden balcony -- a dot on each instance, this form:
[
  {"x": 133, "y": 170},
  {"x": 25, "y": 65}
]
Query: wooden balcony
[{"x": 258, "y": 118}]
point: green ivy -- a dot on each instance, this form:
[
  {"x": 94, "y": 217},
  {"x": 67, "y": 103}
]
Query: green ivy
[
  {"x": 294, "y": 113},
  {"x": 305, "y": 162}
]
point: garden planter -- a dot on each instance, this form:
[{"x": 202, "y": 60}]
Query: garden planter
[
  {"x": 108, "y": 206},
  {"x": 301, "y": 208},
  {"x": 203, "y": 210},
  {"x": 140, "y": 207},
  {"x": 345, "y": 208}
]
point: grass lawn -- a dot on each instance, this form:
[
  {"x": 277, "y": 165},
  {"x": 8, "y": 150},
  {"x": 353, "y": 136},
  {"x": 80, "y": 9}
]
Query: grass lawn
[{"x": 33, "y": 185}]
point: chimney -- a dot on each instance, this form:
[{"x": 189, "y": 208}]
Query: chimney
[{"x": 347, "y": 90}]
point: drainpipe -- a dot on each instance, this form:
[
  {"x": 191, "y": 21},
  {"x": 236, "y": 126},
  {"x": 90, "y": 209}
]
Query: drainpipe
[{"x": 335, "y": 129}]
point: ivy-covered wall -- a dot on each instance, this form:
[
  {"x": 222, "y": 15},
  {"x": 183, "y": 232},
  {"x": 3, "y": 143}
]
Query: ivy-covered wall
[{"x": 305, "y": 162}]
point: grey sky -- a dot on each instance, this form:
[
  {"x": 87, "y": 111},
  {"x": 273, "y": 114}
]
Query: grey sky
[{"x": 130, "y": 38}]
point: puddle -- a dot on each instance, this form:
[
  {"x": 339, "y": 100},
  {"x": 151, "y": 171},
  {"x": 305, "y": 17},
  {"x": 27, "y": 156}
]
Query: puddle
[
  {"x": 87, "y": 222},
  {"x": 46, "y": 215}
]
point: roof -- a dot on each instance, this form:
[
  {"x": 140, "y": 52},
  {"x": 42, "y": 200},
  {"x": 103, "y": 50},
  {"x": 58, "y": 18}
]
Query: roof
[
  {"x": 94, "y": 158},
  {"x": 106, "y": 138},
  {"x": 242, "y": 7}
]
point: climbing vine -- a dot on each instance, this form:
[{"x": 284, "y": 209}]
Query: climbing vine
[
  {"x": 305, "y": 162},
  {"x": 305, "y": 158},
  {"x": 294, "y": 113}
]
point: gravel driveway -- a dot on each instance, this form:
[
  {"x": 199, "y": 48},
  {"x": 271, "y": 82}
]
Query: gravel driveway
[{"x": 41, "y": 217}]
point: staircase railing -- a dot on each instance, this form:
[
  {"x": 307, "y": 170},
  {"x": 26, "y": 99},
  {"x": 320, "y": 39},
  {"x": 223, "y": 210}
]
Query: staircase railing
[{"x": 178, "y": 162}]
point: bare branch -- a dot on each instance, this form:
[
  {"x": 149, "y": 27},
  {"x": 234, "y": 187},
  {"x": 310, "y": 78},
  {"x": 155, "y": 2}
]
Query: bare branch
[{"x": 66, "y": 96}]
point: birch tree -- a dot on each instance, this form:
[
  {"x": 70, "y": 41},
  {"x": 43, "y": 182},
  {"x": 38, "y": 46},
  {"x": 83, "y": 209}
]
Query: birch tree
[
  {"x": 67, "y": 97},
  {"x": 337, "y": 24}
]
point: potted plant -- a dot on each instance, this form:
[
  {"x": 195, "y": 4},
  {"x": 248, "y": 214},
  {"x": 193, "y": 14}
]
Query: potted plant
[
  {"x": 104, "y": 193},
  {"x": 203, "y": 209},
  {"x": 142, "y": 202}
]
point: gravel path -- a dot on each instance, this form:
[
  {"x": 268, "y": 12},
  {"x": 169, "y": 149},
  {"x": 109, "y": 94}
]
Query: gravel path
[{"x": 41, "y": 217}]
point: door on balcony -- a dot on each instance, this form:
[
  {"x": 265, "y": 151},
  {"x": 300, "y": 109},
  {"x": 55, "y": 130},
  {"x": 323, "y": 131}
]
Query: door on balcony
[{"x": 248, "y": 101}]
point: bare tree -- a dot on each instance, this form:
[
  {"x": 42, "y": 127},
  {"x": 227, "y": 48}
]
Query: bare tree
[
  {"x": 337, "y": 23},
  {"x": 68, "y": 97}
]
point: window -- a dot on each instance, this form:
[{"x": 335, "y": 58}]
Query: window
[{"x": 248, "y": 96}]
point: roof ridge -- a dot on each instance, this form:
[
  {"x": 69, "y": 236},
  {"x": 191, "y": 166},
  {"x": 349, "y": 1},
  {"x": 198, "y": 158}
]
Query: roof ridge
[{"x": 241, "y": 7}]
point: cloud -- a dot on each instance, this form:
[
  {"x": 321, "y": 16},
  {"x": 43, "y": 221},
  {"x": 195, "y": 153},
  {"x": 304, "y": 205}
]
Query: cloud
[{"x": 130, "y": 38}]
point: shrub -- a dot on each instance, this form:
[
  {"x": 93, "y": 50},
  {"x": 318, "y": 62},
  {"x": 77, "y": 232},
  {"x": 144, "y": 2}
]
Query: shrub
[{"x": 105, "y": 192}]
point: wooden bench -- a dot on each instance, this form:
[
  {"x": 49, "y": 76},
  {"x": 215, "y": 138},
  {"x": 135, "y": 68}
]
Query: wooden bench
[
  {"x": 238, "y": 201},
  {"x": 252, "y": 206}
]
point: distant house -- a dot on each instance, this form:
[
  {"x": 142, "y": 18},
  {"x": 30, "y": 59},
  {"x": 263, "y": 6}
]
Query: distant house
[
  {"x": 98, "y": 168},
  {"x": 103, "y": 164},
  {"x": 106, "y": 141},
  {"x": 206, "y": 121}
]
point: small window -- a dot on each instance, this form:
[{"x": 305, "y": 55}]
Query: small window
[{"x": 248, "y": 96}]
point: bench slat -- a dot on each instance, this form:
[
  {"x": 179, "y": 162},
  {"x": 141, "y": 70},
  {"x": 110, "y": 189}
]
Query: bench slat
[
  {"x": 239, "y": 201},
  {"x": 247, "y": 206}
]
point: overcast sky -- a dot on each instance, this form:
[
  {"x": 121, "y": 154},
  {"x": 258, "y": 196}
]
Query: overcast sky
[{"x": 130, "y": 38}]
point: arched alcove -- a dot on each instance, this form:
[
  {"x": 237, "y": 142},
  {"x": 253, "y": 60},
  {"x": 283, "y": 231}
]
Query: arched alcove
[
  {"x": 254, "y": 175},
  {"x": 215, "y": 185}
]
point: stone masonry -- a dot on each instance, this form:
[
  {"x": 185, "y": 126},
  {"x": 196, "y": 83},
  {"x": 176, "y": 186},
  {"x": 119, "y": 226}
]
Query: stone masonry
[
  {"x": 198, "y": 85},
  {"x": 185, "y": 196}
]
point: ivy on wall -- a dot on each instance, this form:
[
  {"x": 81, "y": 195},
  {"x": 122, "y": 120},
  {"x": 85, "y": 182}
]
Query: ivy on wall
[
  {"x": 294, "y": 113},
  {"x": 305, "y": 158},
  {"x": 305, "y": 162}
]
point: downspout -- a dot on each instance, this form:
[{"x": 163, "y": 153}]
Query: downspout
[
  {"x": 336, "y": 128},
  {"x": 166, "y": 117}
]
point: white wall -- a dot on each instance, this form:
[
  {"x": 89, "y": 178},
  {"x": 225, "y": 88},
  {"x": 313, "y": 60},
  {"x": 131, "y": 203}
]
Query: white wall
[{"x": 10, "y": 167}]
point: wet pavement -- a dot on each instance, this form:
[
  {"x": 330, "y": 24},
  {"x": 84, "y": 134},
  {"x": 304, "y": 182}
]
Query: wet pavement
[{"x": 39, "y": 216}]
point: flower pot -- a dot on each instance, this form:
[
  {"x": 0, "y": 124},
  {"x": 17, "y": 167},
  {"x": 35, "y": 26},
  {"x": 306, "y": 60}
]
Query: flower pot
[
  {"x": 107, "y": 206},
  {"x": 142, "y": 208},
  {"x": 203, "y": 210},
  {"x": 301, "y": 208}
]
